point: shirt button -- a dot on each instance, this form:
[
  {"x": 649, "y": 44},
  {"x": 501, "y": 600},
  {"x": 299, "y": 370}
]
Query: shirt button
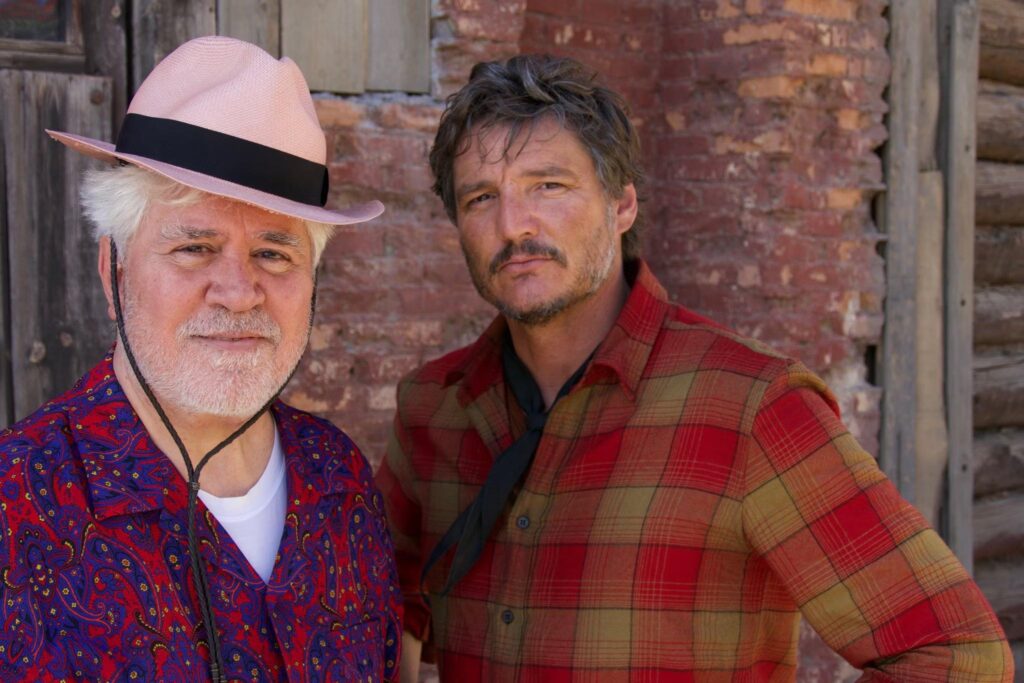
[
  {"x": 523, "y": 521},
  {"x": 507, "y": 616}
]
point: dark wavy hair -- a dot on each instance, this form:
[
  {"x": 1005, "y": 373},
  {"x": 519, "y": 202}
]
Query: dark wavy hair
[{"x": 519, "y": 93}]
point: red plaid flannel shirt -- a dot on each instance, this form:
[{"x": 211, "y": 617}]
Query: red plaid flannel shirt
[{"x": 689, "y": 499}]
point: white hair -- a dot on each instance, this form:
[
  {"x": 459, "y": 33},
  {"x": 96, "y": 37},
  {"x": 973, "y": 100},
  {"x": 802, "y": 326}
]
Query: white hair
[{"x": 115, "y": 200}]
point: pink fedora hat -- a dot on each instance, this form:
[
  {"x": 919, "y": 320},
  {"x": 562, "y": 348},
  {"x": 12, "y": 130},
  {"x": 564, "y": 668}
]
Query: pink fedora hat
[{"x": 225, "y": 117}]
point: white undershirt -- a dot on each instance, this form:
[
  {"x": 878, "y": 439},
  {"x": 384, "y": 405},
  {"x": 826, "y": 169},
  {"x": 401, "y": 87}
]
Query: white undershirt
[{"x": 255, "y": 520}]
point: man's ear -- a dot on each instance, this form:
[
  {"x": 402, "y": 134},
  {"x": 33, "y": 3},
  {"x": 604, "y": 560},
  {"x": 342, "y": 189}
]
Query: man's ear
[
  {"x": 626, "y": 208},
  {"x": 104, "y": 269}
]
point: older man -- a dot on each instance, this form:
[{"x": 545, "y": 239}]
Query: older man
[
  {"x": 606, "y": 486},
  {"x": 168, "y": 518}
]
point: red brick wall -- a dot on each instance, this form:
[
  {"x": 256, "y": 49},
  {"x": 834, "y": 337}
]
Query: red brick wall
[{"x": 760, "y": 121}]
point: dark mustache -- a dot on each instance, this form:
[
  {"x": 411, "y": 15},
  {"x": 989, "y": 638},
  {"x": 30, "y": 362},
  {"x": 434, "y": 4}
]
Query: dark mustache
[{"x": 527, "y": 248}]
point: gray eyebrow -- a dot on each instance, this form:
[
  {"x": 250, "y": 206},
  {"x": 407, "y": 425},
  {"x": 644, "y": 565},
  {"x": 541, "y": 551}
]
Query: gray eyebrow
[
  {"x": 285, "y": 239},
  {"x": 177, "y": 231}
]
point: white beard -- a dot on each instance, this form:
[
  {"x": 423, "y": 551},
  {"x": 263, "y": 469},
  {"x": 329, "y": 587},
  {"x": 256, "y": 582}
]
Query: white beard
[{"x": 193, "y": 377}]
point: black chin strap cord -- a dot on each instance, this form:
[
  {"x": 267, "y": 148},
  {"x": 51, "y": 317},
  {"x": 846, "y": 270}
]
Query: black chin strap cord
[{"x": 198, "y": 568}]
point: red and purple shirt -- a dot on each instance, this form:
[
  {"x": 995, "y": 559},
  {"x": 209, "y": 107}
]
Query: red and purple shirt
[{"x": 95, "y": 581}]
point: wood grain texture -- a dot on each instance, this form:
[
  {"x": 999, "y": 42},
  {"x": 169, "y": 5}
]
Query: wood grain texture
[
  {"x": 999, "y": 255},
  {"x": 1003, "y": 585},
  {"x": 999, "y": 387},
  {"x": 106, "y": 50},
  {"x": 60, "y": 327},
  {"x": 1000, "y": 193},
  {"x": 328, "y": 40},
  {"x": 998, "y": 461},
  {"x": 1002, "y": 40},
  {"x": 399, "y": 47},
  {"x": 897, "y": 366},
  {"x": 930, "y": 420},
  {"x": 160, "y": 26},
  {"x": 959, "y": 26},
  {"x": 999, "y": 316},
  {"x": 998, "y": 531},
  {"x": 255, "y": 21},
  {"x": 1000, "y": 122}
]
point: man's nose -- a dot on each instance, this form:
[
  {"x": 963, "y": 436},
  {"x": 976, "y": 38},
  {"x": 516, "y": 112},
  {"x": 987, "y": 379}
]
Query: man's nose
[
  {"x": 234, "y": 284},
  {"x": 516, "y": 218}
]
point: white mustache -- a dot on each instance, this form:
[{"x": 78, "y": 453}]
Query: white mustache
[{"x": 221, "y": 323}]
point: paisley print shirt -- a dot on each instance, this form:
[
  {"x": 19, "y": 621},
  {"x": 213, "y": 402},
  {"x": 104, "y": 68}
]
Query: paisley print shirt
[{"x": 94, "y": 559}]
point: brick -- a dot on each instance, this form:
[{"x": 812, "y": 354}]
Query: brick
[
  {"x": 785, "y": 87},
  {"x": 415, "y": 115},
  {"x": 845, "y": 10},
  {"x": 747, "y": 33},
  {"x": 827, "y": 65},
  {"x": 338, "y": 112},
  {"x": 844, "y": 198}
]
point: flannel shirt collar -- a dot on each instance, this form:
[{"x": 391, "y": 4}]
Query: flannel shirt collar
[
  {"x": 622, "y": 354},
  {"x": 128, "y": 474}
]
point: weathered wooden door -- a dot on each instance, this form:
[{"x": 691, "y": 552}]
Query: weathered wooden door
[{"x": 60, "y": 68}]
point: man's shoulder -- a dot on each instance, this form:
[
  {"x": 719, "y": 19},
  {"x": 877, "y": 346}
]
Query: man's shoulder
[
  {"x": 724, "y": 346},
  {"x": 57, "y": 417}
]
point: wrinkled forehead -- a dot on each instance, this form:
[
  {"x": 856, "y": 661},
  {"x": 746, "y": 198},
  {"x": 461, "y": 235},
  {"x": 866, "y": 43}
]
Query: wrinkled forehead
[{"x": 499, "y": 140}]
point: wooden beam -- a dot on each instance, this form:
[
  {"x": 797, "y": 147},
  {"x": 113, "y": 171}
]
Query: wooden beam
[
  {"x": 899, "y": 220},
  {"x": 1000, "y": 193},
  {"x": 256, "y": 22},
  {"x": 930, "y": 419},
  {"x": 999, "y": 255},
  {"x": 959, "y": 35},
  {"x": 160, "y": 26},
  {"x": 997, "y": 526},
  {"x": 998, "y": 387},
  {"x": 1002, "y": 40},
  {"x": 1000, "y": 122},
  {"x": 1003, "y": 585},
  {"x": 399, "y": 49},
  {"x": 328, "y": 40},
  {"x": 999, "y": 316},
  {"x": 60, "y": 324},
  {"x": 998, "y": 461}
]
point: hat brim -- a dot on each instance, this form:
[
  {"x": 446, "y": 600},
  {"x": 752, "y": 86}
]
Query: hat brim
[{"x": 223, "y": 188}]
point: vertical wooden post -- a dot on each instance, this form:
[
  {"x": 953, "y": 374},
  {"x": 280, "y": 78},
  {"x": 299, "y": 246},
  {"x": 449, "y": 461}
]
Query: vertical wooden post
[
  {"x": 959, "y": 31},
  {"x": 897, "y": 365}
]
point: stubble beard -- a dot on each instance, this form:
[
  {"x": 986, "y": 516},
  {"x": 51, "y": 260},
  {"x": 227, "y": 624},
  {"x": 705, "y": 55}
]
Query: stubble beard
[
  {"x": 599, "y": 257},
  {"x": 200, "y": 380}
]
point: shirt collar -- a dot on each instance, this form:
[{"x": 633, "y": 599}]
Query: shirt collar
[
  {"x": 623, "y": 352},
  {"x": 128, "y": 474}
]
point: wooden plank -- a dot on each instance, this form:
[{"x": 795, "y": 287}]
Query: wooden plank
[
  {"x": 1002, "y": 40},
  {"x": 1003, "y": 585},
  {"x": 328, "y": 40},
  {"x": 998, "y": 461},
  {"x": 999, "y": 315},
  {"x": 1000, "y": 193},
  {"x": 59, "y": 324},
  {"x": 999, "y": 255},
  {"x": 1000, "y": 122},
  {"x": 160, "y": 26},
  {"x": 959, "y": 32},
  {"x": 999, "y": 387},
  {"x": 258, "y": 22},
  {"x": 930, "y": 419},
  {"x": 106, "y": 50},
  {"x": 928, "y": 108},
  {"x": 998, "y": 531},
  {"x": 897, "y": 366},
  {"x": 6, "y": 376},
  {"x": 399, "y": 46}
]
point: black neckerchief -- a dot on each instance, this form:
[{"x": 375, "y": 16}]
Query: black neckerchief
[{"x": 473, "y": 526}]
